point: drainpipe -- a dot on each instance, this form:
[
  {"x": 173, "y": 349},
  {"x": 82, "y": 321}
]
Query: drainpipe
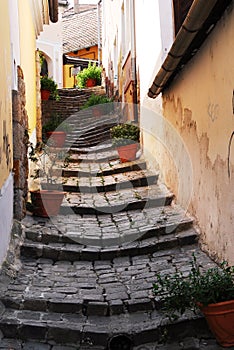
[
  {"x": 133, "y": 58},
  {"x": 76, "y": 6},
  {"x": 99, "y": 31},
  {"x": 196, "y": 17},
  {"x": 53, "y": 10}
]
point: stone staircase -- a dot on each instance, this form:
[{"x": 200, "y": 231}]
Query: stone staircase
[
  {"x": 86, "y": 276},
  {"x": 71, "y": 100}
]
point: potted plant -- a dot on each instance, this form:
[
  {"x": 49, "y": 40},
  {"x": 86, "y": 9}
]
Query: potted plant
[
  {"x": 211, "y": 291},
  {"x": 46, "y": 200},
  {"x": 100, "y": 104},
  {"x": 48, "y": 88},
  {"x": 89, "y": 76},
  {"x": 125, "y": 137},
  {"x": 55, "y": 130}
]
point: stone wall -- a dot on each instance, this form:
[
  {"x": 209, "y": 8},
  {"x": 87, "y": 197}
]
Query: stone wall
[
  {"x": 20, "y": 147},
  {"x": 71, "y": 101}
]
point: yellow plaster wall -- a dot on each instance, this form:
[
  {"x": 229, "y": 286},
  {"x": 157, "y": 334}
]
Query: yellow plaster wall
[
  {"x": 200, "y": 107},
  {"x": 92, "y": 54},
  {"x": 28, "y": 60},
  {"x": 68, "y": 79},
  {"x": 6, "y": 148}
]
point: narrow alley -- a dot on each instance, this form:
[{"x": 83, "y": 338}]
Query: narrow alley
[
  {"x": 86, "y": 276},
  {"x": 116, "y": 175}
]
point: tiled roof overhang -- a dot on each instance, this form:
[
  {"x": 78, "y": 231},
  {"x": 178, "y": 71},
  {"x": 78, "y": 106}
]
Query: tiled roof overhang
[
  {"x": 81, "y": 62},
  {"x": 199, "y": 22}
]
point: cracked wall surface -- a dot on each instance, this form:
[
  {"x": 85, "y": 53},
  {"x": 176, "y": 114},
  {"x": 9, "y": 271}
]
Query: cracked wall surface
[{"x": 199, "y": 106}]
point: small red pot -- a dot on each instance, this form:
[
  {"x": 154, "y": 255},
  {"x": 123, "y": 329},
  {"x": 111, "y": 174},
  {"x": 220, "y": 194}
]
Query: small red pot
[
  {"x": 46, "y": 203},
  {"x": 56, "y": 138},
  {"x": 220, "y": 318},
  {"x": 127, "y": 152},
  {"x": 45, "y": 94},
  {"x": 90, "y": 82}
]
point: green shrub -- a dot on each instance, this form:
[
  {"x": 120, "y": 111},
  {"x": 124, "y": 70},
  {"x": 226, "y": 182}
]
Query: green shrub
[
  {"x": 50, "y": 85},
  {"x": 56, "y": 123},
  {"x": 92, "y": 72},
  {"x": 124, "y": 134},
  {"x": 178, "y": 292},
  {"x": 96, "y": 100}
]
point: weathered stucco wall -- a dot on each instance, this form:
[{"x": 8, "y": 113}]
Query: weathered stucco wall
[
  {"x": 200, "y": 106},
  {"x": 6, "y": 147},
  {"x": 28, "y": 61}
]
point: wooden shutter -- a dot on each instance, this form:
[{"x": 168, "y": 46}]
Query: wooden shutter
[{"x": 181, "y": 8}]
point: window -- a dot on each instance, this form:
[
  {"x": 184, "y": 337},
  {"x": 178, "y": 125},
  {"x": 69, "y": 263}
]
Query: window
[{"x": 181, "y": 8}]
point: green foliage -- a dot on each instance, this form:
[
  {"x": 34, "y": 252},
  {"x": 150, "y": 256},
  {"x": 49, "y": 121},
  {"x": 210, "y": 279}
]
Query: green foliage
[
  {"x": 96, "y": 100},
  {"x": 124, "y": 134},
  {"x": 56, "y": 123},
  {"x": 92, "y": 72},
  {"x": 46, "y": 159},
  {"x": 178, "y": 292},
  {"x": 49, "y": 84}
]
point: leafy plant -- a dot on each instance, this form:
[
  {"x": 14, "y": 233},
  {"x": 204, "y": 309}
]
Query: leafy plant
[
  {"x": 94, "y": 100},
  {"x": 45, "y": 159},
  {"x": 50, "y": 85},
  {"x": 178, "y": 292},
  {"x": 124, "y": 134},
  {"x": 91, "y": 72},
  {"x": 56, "y": 123}
]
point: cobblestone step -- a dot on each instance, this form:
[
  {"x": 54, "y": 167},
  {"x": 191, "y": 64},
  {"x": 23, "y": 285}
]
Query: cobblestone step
[
  {"x": 100, "y": 169},
  {"x": 75, "y": 252},
  {"x": 108, "y": 236},
  {"x": 103, "y": 147},
  {"x": 96, "y": 330},
  {"x": 118, "y": 201},
  {"x": 204, "y": 342},
  {"x": 102, "y": 157},
  {"x": 107, "y": 183},
  {"x": 96, "y": 300},
  {"x": 85, "y": 123}
]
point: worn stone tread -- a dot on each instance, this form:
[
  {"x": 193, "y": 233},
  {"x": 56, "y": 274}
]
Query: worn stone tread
[
  {"x": 104, "y": 183},
  {"x": 112, "y": 229},
  {"x": 122, "y": 285},
  {"x": 76, "y": 248},
  {"x": 103, "y": 147},
  {"x": 113, "y": 202},
  {"x": 100, "y": 169},
  {"x": 96, "y": 330}
]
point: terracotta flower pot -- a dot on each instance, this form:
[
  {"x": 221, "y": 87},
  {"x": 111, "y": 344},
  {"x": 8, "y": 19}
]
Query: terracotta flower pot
[
  {"x": 97, "y": 112},
  {"x": 46, "y": 203},
  {"x": 56, "y": 138},
  {"x": 45, "y": 94},
  {"x": 220, "y": 318},
  {"x": 127, "y": 152},
  {"x": 90, "y": 82}
]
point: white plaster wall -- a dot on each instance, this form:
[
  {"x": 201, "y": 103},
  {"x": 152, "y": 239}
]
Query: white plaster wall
[
  {"x": 15, "y": 46},
  {"x": 6, "y": 216},
  {"x": 50, "y": 42}
]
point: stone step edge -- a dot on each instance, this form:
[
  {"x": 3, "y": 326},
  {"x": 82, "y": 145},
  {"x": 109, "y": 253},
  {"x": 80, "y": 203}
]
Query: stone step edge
[
  {"x": 85, "y": 307},
  {"x": 71, "y": 330},
  {"x": 111, "y": 209},
  {"x": 61, "y": 252},
  {"x": 115, "y": 169},
  {"x": 140, "y": 181}
]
